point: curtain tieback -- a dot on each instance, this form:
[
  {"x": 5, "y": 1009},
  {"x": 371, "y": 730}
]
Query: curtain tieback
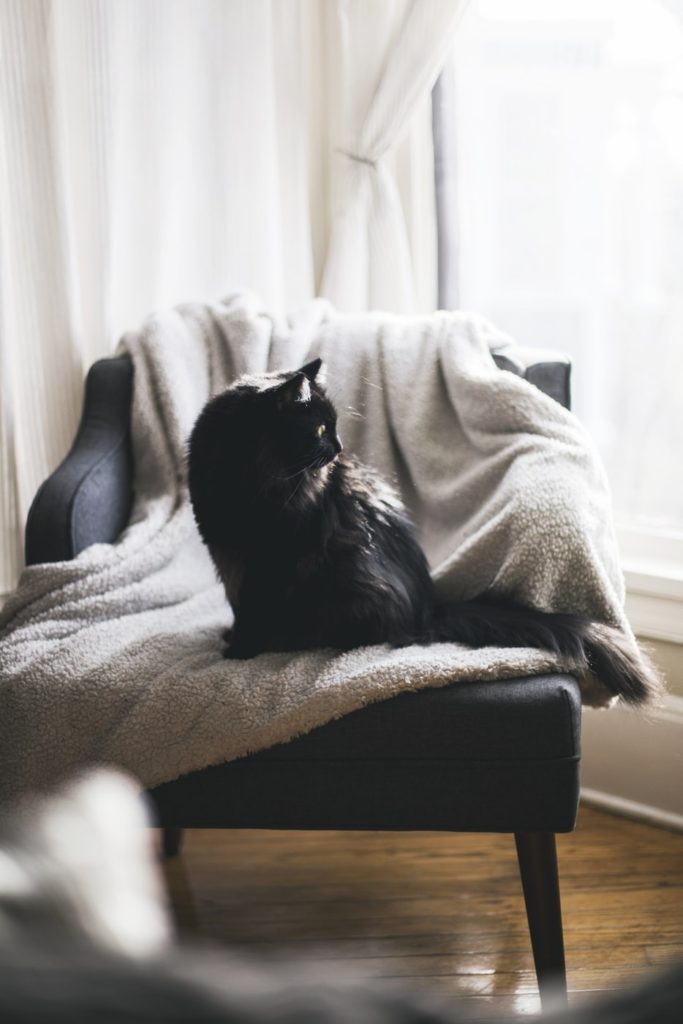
[{"x": 357, "y": 157}]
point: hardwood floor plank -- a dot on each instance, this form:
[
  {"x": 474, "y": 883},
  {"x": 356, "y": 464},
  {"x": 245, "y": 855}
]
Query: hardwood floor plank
[{"x": 440, "y": 909}]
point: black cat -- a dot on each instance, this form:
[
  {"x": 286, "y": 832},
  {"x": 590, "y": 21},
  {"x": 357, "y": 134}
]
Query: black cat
[{"x": 315, "y": 550}]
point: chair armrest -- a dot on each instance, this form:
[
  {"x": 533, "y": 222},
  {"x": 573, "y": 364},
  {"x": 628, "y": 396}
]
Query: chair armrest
[
  {"x": 88, "y": 497},
  {"x": 548, "y": 370}
]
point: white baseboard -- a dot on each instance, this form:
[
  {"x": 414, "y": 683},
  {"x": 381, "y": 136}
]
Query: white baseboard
[
  {"x": 632, "y": 809},
  {"x": 632, "y": 762}
]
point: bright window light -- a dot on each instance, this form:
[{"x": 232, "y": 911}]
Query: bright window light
[{"x": 569, "y": 170}]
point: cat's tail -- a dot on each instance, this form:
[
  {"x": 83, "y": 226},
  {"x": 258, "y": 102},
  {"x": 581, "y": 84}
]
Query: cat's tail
[{"x": 589, "y": 647}]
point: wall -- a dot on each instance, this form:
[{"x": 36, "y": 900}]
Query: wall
[
  {"x": 633, "y": 761},
  {"x": 669, "y": 658}
]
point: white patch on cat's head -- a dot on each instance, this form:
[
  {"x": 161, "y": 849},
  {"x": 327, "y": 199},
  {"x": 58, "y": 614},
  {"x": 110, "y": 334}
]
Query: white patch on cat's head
[{"x": 260, "y": 381}]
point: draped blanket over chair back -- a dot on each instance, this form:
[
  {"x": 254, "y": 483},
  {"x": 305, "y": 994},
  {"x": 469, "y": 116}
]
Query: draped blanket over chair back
[{"x": 116, "y": 656}]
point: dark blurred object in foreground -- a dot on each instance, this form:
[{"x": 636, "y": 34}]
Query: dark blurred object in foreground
[{"x": 85, "y": 936}]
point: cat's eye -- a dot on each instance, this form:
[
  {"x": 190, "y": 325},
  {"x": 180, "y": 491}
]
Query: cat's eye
[{"x": 320, "y": 430}]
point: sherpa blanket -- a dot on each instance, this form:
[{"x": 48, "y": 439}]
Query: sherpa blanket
[{"x": 116, "y": 656}]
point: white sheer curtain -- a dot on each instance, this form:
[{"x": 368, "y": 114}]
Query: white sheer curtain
[
  {"x": 153, "y": 151},
  {"x": 390, "y": 56}
]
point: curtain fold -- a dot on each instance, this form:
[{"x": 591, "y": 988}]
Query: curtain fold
[
  {"x": 39, "y": 364},
  {"x": 389, "y": 67}
]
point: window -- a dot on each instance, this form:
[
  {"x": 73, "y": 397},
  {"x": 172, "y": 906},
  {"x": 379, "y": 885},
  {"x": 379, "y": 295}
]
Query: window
[{"x": 568, "y": 153}]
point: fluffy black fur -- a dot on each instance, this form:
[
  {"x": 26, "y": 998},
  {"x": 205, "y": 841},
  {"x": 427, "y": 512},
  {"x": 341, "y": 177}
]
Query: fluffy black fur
[{"x": 315, "y": 550}]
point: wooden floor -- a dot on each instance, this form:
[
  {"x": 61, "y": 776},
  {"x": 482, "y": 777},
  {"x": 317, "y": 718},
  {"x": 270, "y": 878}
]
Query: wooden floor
[{"x": 438, "y": 909}]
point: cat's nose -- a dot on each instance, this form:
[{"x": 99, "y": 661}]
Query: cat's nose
[{"x": 338, "y": 446}]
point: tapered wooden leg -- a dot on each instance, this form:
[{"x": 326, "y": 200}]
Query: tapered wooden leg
[
  {"x": 171, "y": 840},
  {"x": 537, "y": 858}
]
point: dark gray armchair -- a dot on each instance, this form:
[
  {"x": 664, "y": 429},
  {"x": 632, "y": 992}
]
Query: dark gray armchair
[{"x": 474, "y": 757}]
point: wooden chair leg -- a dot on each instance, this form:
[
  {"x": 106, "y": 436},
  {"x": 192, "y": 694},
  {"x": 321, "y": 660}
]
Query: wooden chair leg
[
  {"x": 171, "y": 840},
  {"x": 537, "y": 858}
]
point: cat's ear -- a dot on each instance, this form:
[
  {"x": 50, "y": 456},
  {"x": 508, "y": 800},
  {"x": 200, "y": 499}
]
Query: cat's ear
[
  {"x": 311, "y": 370},
  {"x": 295, "y": 390}
]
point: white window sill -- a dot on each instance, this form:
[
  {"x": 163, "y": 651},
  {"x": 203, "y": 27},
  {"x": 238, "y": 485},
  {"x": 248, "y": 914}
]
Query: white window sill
[{"x": 653, "y": 570}]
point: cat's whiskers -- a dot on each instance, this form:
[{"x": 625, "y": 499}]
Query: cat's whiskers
[
  {"x": 317, "y": 464},
  {"x": 354, "y": 413},
  {"x": 295, "y": 491},
  {"x": 299, "y": 472}
]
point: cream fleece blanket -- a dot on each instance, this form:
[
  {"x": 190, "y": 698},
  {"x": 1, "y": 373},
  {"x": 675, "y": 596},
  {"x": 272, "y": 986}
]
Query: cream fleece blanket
[{"x": 116, "y": 656}]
